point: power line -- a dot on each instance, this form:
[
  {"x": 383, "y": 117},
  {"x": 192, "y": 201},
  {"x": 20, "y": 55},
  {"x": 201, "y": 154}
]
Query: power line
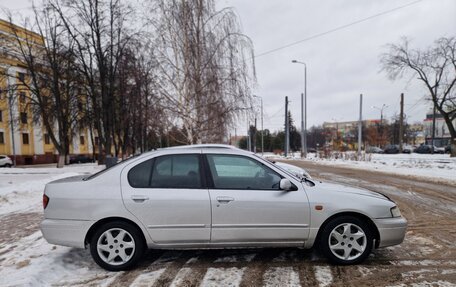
[
  {"x": 338, "y": 28},
  {"x": 415, "y": 105}
]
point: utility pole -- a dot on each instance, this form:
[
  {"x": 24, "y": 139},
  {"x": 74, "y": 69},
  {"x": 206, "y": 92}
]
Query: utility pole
[
  {"x": 287, "y": 128},
  {"x": 303, "y": 112},
  {"x": 401, "y": 123},
  {"x": 360, "y": 124}
]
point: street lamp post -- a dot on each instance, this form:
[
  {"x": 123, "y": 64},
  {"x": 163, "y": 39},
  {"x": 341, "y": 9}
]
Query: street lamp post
[
  {"x": 384, "y": 106},
  {"x": 303, "y": 112}
]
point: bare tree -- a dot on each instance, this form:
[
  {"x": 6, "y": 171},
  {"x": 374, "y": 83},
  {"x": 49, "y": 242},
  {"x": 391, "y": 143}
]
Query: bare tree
[
  {"x": 206, "y": 67},
  {"x": 50, "y": 77},
  {"x": 435, "y": 68},
  {"x": 101, "y": 32}
]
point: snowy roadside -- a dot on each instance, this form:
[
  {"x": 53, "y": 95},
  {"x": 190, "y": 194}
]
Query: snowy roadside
[
  {"x": 31, "y": 261},
  {"x": 437, "y": 168},
  {"x": 21, "y": 189}
]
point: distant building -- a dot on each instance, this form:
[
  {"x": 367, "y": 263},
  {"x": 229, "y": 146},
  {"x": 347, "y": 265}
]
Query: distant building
[
  {"x": 344, "y": 135},
  {"x": 442, "y": 135},
  {"x": 21, "y": 136},
  {"x": 350, "y": 127},
  {"x": 416, "y": 134}
]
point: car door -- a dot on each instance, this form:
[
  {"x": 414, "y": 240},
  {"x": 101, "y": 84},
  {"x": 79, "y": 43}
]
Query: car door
[
  {"x": 166, "y": 194},
  {"x": 248, "y": 207}
]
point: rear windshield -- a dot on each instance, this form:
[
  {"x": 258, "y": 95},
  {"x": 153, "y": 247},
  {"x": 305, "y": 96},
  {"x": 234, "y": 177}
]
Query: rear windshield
[{"x": 106, "y": 169}]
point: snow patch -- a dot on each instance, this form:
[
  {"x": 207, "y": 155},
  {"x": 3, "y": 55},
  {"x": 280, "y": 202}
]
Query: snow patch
[
  {"x": 439, "y": 283},
  {"x": 364, "y": 271},
  {"x": 323, "y": 275},
  {"x": 219, "y": 277},
  {"x": 437, "y": 167},
  {"x": 31, "y": 261},
  {"x": 180, "y": 277},
  {"x": 281, "y": 276},
  {"x": 147, "y": 279}
]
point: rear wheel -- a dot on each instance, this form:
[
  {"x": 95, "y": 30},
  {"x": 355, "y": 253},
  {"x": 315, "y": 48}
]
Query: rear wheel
[
  {"x": 117, "y": 246},
  {"x": 346, "y": 240}
]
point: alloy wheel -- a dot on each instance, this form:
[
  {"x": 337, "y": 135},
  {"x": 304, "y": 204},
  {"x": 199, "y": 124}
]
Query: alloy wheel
[
  {"x": 116, "y": 246},
  {"x": 347, "y": 241}
]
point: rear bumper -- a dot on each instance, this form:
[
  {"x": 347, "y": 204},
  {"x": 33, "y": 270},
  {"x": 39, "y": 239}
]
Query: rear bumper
[
  {"x": 65, "y": 232},
  {"x": 391, "y": 230}
]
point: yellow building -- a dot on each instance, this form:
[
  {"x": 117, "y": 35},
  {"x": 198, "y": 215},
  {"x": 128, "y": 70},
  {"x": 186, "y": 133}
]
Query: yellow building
[{"x": 20, "y": 137}]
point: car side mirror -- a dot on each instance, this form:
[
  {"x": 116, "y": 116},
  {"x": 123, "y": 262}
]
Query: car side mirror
[{"x": 285, "y": 184}]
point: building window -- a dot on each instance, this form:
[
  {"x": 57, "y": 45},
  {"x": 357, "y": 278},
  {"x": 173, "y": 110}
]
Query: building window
[
  {"x": 24, "y": 118},
  {"x": 25, "y": 138},
  {"x": 21, "y": 77},
  {"x": 82, "y": 140},
  {"x": 2, "y": 138},
  {"x": 47, "y": 139},
  {"x": 97, "y": 140},
  {"x": 22, "y": 97},
  {"x": 1, "y": 116}
]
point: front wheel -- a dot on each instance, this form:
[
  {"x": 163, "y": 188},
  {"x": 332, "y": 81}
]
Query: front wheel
[
  {"x": 346, "y": 240},
  {"x": 117, "y": 246}
]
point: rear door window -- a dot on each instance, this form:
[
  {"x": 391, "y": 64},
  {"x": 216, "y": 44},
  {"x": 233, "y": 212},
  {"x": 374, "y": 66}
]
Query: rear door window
[{"x": 177, "y": 171}]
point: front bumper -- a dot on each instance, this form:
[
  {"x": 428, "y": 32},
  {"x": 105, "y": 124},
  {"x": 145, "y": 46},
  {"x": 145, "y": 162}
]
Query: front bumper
[
  {"x": 391, "y": 230},
  {"x": 65, "y": 232}
]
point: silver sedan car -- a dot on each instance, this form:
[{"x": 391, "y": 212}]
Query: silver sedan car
[{"x": 208, "y": 196}]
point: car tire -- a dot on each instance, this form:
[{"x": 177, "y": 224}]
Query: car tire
[
  {"x": 346, "y": 240},
  {"x": 117, "y": 246},
  {"x": 7, "y": 165}
]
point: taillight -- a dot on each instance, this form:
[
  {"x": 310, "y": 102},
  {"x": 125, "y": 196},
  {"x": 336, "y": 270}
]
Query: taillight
[{"x": 45, "y": 201}]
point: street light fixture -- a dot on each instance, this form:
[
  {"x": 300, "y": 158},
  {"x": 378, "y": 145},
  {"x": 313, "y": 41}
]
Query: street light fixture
[
  {"x": 262, "y": 131},
  {"x": 303, "y": 112},
  {"x": 384, "y": 106}
]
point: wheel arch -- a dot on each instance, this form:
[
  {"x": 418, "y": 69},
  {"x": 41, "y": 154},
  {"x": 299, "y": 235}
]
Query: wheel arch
[
  {"x": 358, "y": 215},
  {"x": 103, "y": 221}
]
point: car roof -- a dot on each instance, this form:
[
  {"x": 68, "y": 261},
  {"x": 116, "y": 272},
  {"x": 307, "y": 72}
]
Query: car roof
[{"x": 201, "y": 146}]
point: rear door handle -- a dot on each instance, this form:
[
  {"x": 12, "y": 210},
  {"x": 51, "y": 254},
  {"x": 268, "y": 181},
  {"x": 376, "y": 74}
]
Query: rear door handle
[
  {"x": 224, "y": 199},
  {"x": 139, "y": 198}
]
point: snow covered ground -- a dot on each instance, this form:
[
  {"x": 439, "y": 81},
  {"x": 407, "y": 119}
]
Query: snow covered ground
[{"x": 437, "y": 167}]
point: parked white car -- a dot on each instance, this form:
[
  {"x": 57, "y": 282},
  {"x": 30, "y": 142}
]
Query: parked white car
[
  {"x": 211, "y": 196},
  {"x": 5, "y": 161}
]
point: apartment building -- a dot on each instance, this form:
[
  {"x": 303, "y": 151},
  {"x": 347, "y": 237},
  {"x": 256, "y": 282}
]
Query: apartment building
[{"x": 21, "y": 137}]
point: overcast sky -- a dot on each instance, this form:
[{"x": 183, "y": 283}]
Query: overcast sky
[{"x": 340, "y": 65}]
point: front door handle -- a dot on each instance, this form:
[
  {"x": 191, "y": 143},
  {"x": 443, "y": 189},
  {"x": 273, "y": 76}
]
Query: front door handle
[
  {"x": 139, "y": 198},
  {"x": 224, "y": 199}
]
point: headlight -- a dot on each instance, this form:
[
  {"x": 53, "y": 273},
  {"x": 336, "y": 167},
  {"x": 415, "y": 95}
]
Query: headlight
[{"x": 395, "y": 212}]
